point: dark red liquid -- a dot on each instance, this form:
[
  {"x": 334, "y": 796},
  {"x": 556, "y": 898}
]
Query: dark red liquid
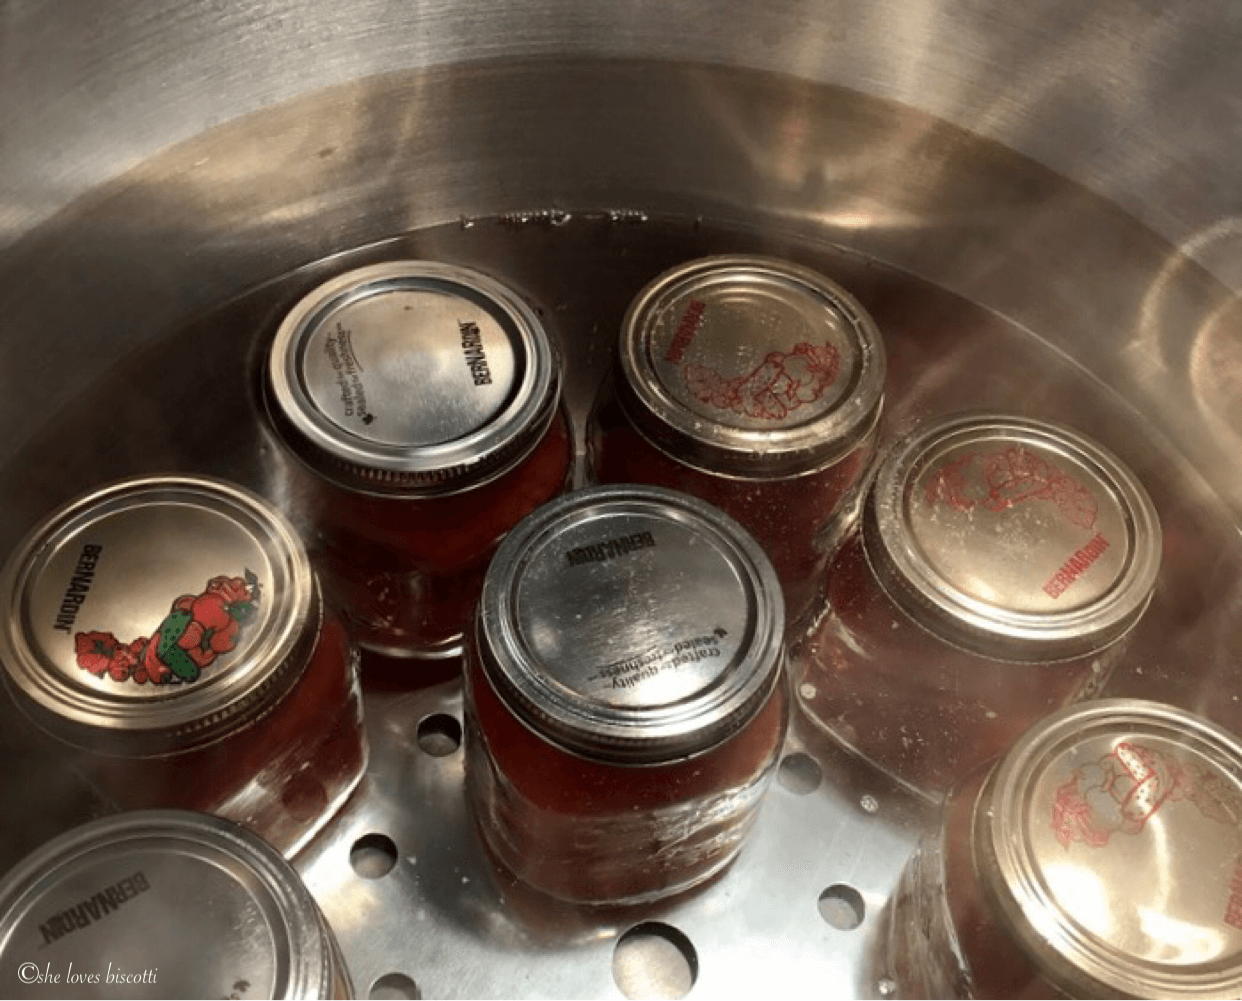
[
  {"x": 998, "y": 969},
  {"x": 922, "y": 709},
  {"x": 406, "y": 572},
  {"x": 280, "y": 775},
  {"x": 593, "y": 832},
  {"x": 790, "y": 517},
  {"x": 944, "y": 938}
]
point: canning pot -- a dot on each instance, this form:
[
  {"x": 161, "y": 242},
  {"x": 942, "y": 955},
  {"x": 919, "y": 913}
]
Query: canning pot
[{"x": 1036, "y": 202}]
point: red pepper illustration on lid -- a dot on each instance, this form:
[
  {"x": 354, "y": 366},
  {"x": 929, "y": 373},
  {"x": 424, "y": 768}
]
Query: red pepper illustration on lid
[{"x": 197, "y": 630}]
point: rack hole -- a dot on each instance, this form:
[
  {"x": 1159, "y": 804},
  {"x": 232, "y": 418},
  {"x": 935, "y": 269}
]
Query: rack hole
[
  {"x": 842, "y": 907},
  {"x": 654, "y": 960},
  {"x": 800, "y": 773},
  {"x": 439, "y": 734},
  {"x": 394, "y": 986},
  {"x": 373, "y": 856}
]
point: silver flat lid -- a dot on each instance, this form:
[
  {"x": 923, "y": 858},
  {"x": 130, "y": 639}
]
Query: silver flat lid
[
  {"x": 751, "y": 366},
  {"x": 190, "y": 905},
  {"x": 1111, "y": 838},
  {"x": 412, "y": 377},
  {"x": 631, "y": 624},
  {"x": 1015, "y": 538},
  {"x": 156, "y": 614}
]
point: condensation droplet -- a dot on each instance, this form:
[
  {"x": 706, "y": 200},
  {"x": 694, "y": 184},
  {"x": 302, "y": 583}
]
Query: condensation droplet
[
  {"x": 869, "y": 803},
  {"x": 807, "y": 690},
  {"x": 886, "y": 988}
]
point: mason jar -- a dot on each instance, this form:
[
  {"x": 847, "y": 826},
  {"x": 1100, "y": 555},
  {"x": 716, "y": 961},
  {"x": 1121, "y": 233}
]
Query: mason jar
[
  {"x": 1102, "y": 857},
  {"x": 998, "y": 567},
  {"x": 163, "y": 904},
  {"x": 168, "y": 632},
  {"x": 625, "y": 700},
  {"x": 757, "y": 385},
  {"x": 423, "y": 402}
]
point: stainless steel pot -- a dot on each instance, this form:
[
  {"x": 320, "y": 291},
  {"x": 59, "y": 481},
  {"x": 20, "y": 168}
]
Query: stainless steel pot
[{"x": 1057, "y": 174}]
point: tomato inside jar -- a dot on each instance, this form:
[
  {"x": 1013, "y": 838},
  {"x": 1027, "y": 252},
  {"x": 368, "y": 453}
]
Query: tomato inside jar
[
  {"x": 1098, "y": 858},
  {"x": 996, "y": 571},
  {"x": 167, "y": 637},
  {"x": 625, "y": 699},
  {"x": 423, "y": 402},
  {"x": 757, "y": 385}
]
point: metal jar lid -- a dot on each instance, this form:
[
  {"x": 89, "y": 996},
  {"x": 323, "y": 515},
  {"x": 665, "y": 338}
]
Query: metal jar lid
[
  {"x": 1013, "y": 538},
  {"x": 632, "y": 625},
  {"x": 751, "y": 366},
  {"x": 181, "y": 904},
  {"x": 1110, "y": 840},
  {"x": 156, "y": 614},
  {"x": 412, "y": 378}
]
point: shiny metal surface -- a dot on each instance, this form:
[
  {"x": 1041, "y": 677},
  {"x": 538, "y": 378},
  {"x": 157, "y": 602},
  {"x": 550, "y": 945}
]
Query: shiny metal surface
[
  {"x": 413, "y": 377},
  {"x": 631, "y": 624},
  {"x": 903, "y": 185},
  {"x": 1020, "y": 539},
  {"x": 134, "y": 556},
  {"x": 455, "y": 926},
  {"x": 944, "y": 352},
  {"x": 751, "y": 366},
  {"x": 1038, "y": 206},
  {"x": 176, "y": 903},
  {"x": 1110, "y": 839}
]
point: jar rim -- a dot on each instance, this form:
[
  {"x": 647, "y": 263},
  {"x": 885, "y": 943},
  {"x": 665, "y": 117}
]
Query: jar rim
[
  {"x": 979, "y": 524},
  {"x": 700, "y": 337},
  {"x": 590, "y": 626},
  {"x": 132, "y": 557},
  {"x": 412, "y": 378}
]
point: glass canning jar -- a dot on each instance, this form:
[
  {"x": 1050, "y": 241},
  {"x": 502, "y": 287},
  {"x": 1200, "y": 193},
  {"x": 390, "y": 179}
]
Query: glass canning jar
[
  {"x": 1102, "y": 857},
  {"x": 169, "y": 632},
  {"x": 423, "y": 401},
  {"x": 997, "y": 567},
  {"x": 163, "y": 904},
  {"x": 755, "y": 384},
  {"x": 625, "y": 699}
]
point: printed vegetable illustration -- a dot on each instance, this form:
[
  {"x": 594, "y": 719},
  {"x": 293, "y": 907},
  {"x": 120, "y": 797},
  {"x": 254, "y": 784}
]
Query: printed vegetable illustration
[{"x": 197, "y": 630}]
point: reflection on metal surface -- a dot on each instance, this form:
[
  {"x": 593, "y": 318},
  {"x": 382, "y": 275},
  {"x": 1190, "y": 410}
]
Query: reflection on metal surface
[
  {"x": 446, "y": 918},
  {"x": 259, "y": 136},
  {"x": 1083, "y": 804},
  {"x": 751, "y": 366},
  {"x": 1020, "y": 539},
  {"x": 163, "y": 903},
  {"x": 442, "y": 917},
  {"x": 254, "y": 198},
  {"x": 348, "y": 358}
]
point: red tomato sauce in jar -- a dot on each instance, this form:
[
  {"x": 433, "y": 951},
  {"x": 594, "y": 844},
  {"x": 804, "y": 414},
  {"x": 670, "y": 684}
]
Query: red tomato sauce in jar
[
  {"x": 422, "y": 399},
  {"x": 1089, "y": 862},
  {"x": 757, "y": 385},
  {"x": 625, "y": 701},
  {"x": 169, "y": 633},
  {"x": 998, "y": 566}
]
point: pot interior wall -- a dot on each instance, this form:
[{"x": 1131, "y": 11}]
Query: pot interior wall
[{"x": 136, "y": 316}]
